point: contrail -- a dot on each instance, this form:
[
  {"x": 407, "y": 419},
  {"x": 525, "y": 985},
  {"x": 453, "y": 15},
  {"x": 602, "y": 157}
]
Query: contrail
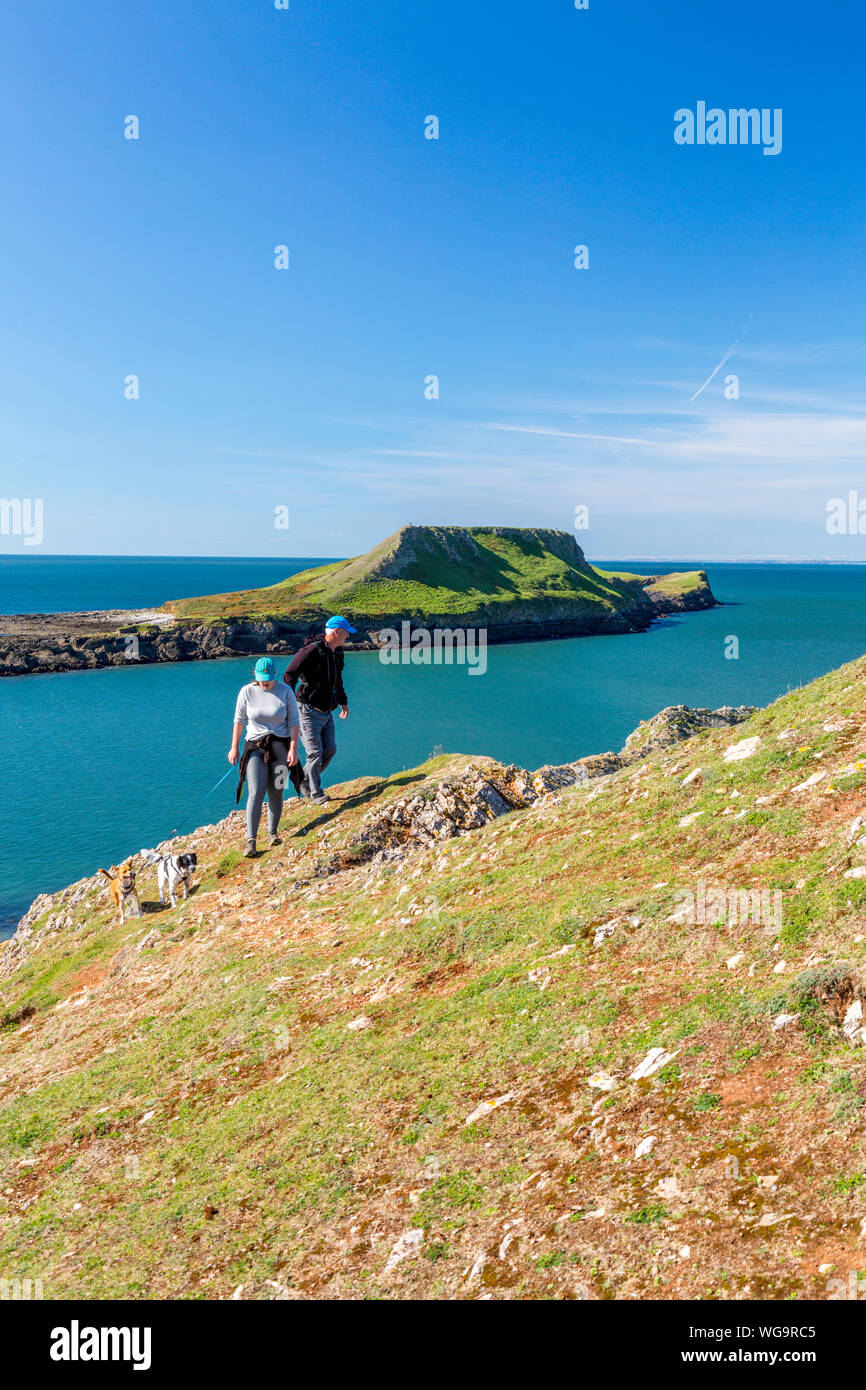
[
  {"x": 718, "y": 367},
  {"x": 734, "y": 345}
]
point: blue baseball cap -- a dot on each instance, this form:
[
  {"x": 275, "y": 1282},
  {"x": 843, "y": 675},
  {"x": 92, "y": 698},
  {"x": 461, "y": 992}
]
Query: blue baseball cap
[
  {"x": 265, "y": 669},
  {"x": 339, "y": 621}
]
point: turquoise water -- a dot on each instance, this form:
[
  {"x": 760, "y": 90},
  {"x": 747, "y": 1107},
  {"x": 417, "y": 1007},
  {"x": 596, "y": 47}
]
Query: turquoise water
[
  {"x": 80, "y": 583},
  {"x": 103, "y": 762}
]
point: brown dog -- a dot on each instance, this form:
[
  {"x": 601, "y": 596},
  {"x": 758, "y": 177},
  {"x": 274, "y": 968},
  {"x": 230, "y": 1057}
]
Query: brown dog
[{"x": 121, "y": 885}]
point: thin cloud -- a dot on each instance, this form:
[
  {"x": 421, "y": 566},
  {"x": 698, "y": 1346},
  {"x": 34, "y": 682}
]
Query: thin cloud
[{"x": 572, "y": 434}]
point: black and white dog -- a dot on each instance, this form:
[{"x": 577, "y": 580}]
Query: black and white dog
[{"x": 172, "y": 870}]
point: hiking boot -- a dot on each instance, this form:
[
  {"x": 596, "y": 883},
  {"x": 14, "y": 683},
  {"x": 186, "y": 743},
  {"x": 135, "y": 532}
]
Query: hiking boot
[
  {"x": 250, "y": 852},
  {"x": 273, "y": 839},
  {"x": 320, "y": 800}
]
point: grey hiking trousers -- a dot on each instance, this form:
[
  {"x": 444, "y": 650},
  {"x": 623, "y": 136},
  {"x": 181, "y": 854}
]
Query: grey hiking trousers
[
  {"x": 270, "y": 778},
  {"x": 319, "y": 738}
]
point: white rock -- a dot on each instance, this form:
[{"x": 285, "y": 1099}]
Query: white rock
[
  {"x": 668, "y": 1187},
  {"x": 655, "y": 1058},
  {"x": 784, "y": 1021},
  {"x": 683, "y": 913},
  {"x": 733, "y": 961},
  {"x": 408, "y": 1244},
  {"x": 809, "y": 782},
  {"x": 685, "y": 1252},
  {"x": 780, "y": 967},
  {"x": 358, "y": 1023},
  {"x": 786, "y": 733},
  {"x": 746, "y": 748},
  {"x": 645, "y": 1146},
  {"x": 475, "y": 1273},
  {"x": 859, "y": 872},
  {"x": 851, "y": 1023},
  {"x": 692, "y": 816},
  {"x": 854, "y": 829},
  {"x": 692, "y": 776},
  {"x": 601, "y": 1081},
  {"x": 487, "y": 1107}
]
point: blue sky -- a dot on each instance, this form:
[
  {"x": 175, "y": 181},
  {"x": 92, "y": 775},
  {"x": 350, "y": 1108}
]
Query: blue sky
[{"x": 410, "y": 257}]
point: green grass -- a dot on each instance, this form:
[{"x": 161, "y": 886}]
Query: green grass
[
  {"x": 442, "y": 572},
  {"x": 647, "y": 1216},
  {"x": 707, "y": 1100},
  {"x": 297, "y": 1131}
]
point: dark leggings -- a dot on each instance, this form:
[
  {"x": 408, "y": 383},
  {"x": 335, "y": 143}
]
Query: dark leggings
[{"x": 270, "y": 778}]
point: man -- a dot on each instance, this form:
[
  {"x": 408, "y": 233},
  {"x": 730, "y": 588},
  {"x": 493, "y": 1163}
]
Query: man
[{"x": 315, "y": 673}]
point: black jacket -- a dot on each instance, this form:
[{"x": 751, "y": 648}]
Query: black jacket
[{"x": 315, "y": 673}]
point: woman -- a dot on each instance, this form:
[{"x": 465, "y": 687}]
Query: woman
[{"x": 268, "y": 709}]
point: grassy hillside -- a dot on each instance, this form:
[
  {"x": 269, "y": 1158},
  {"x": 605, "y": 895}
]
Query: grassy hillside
[
  {"x": 436, "y": 570},
  {"x": 680, "y": 582},
  {"x": 335, "y": 1075}
]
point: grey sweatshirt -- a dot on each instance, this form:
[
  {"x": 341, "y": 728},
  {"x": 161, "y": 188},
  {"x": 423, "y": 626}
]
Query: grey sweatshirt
[{"x": 273, "y": 711}]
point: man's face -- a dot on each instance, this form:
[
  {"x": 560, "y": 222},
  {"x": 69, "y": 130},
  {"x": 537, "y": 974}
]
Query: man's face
[{"x": 336, "y": 636}]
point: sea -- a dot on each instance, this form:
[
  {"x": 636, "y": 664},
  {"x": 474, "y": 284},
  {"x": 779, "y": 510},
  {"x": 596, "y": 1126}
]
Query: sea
[{"x": 103, "y": 763}]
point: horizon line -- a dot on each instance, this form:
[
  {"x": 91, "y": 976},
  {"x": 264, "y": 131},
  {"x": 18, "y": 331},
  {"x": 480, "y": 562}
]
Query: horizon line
[{"x": 779, "y": 558}]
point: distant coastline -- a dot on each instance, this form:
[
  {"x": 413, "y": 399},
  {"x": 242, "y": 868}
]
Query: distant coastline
[{"x": 514, "y": 583}]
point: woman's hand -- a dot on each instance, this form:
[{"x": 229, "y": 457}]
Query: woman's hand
[
  {"x": 237, "y": 735},
  {"x": 292, "y": 755}
]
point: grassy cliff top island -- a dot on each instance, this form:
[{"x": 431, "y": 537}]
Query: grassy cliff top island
[
  {"x": 493, "y": 572},
  {"x": 517, "y": 583}
]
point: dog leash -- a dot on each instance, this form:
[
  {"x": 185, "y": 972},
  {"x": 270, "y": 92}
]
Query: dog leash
[{"x": 221, "y": 780}]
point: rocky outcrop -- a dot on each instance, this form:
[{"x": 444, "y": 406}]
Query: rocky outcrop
[
  {"x": 411, "y": 546},
  {"x": 666, "y": 599},
  {"x": 676, "y": 722},
  {"x": 487, "y": 790},
  {"x": 83, "y": 641}
]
